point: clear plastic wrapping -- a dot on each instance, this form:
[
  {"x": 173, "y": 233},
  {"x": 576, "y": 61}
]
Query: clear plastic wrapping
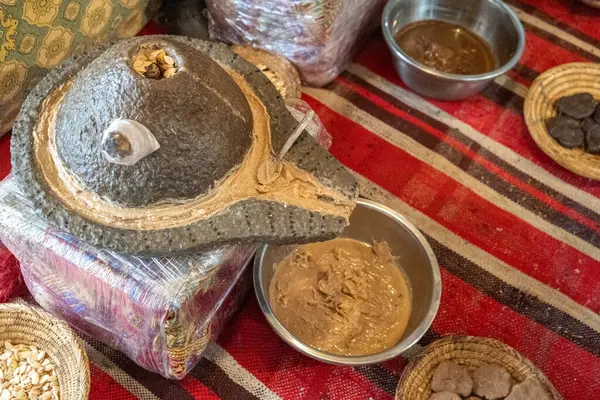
[
  {"x": 318, "y": 36},
  {"x": 161, "y": 312},
  {"x": 299, "y": 108}
]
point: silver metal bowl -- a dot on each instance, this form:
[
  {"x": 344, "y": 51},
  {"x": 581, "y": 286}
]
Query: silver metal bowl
[
  {"x": 369, "y": 221},
  {"x": 492, "y": 20}
]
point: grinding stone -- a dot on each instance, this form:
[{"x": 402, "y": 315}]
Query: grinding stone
[
  {"x": 250, "y": 220},
  {"x": 197, "y": 148}
]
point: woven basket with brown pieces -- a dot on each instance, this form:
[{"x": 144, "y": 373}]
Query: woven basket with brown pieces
[
  {"x": 469, "y": 351},
  {"x": 553, "y": 84},
  {"x": 277, "y": 68},
  {"x": 32, "y": 326}
]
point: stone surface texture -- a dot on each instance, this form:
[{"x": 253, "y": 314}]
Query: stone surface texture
[{"x": 247, "y": 221}]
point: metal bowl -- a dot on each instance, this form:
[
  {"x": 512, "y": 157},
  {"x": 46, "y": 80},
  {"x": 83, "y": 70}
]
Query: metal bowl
[
  {"x": 369, "y": 221},
  {"x": 492, "y": 20}
]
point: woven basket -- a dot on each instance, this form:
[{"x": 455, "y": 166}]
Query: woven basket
[
  {"x": 415, "y": 383},
  {"x": 591, "y": 3},
  {"x": 557, "y": 82},
  {"x": 278, "y": 65},
  {"x": 26, "y": 324}
]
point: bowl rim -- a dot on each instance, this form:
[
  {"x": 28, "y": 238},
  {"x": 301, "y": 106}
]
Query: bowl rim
[
  {"x": 397, "y": 50},
  {"x": 388, "y": 354}
]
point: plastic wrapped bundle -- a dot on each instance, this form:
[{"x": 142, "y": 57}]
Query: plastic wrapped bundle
[
  {"x": 161, "y": 312},
  {"x": 318, "y": 36}
]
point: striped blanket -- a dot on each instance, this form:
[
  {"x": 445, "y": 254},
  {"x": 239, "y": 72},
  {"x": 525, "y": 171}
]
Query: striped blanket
[{"x": 516, "y": 235}]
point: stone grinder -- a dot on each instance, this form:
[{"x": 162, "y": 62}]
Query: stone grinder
[{"x": 163, "y": 144}]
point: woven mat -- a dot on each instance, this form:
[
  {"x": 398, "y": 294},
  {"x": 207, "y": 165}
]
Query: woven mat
[{"x": 516, "y": 235}]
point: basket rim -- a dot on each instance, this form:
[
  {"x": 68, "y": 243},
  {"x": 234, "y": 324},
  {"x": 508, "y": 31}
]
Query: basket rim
[
  {"x": 459, "y": 339},
  {"x": 61, "y": 327}
]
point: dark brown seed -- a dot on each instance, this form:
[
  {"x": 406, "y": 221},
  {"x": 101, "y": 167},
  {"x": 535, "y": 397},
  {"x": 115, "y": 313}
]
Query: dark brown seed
[
  {"x": 578, "y": 106},
  {"x": 592, "y": 138},
  {"x": 117, "y": 145},
  {"x": 152, "y": 72}
]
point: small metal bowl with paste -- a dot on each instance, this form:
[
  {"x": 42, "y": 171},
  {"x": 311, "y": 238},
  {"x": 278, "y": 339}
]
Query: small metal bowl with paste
[{"x": 369, "y": 222}]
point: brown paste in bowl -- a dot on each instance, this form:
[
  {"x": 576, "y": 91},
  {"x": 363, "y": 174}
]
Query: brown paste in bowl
[
  {"x": 446, "y": 47},
  {"x": 342, "y": 296}
]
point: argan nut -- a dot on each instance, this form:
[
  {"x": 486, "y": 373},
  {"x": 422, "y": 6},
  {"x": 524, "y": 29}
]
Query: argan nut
[
  {"x": 153, "y": 72},
  {"x": 451, "y": 377},
  {"x": 170, "y": 72},
  {"x": 169, "y": 60},
  {"x": 491, "y": 381}
]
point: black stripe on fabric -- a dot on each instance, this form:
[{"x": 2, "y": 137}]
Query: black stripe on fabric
[
  {"x": 560, "y": 42},
  {"x": 470, "y": 167},
  {"x": 525, "y": 72},
  {"x": 525, "y": 304},
  {"x": 458, "y": 135},
  {"x": 504, "y": 97},
  {"x": 429, "y": 337},
  {"x": 380, "y": 376},
  {"x": 529, "y": 9},
  {"x": 219, "y": 382},
  {"x": 161, "y": 387}
]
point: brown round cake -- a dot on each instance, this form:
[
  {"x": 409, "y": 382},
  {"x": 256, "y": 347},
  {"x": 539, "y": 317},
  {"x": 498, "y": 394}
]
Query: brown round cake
[{"x": 164, "y": 144}]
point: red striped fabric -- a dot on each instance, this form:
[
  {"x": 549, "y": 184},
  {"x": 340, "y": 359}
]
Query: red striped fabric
[
  {"x": 485, "y": 115},
  {"x": 515, "y": 234},
  {"x": 462, "y": 211}
]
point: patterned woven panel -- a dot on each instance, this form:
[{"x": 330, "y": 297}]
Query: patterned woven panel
[
  {"x": 516, "y": 235},
  {"x": 36, "y": 35}
]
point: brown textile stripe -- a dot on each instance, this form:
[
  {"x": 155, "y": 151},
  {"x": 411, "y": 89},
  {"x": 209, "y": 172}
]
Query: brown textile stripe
[
  {"x": 161, "y": 387},
  {"x": 456, "y": 134},
  {"x": 526, "y": 72},
  {"x": 504, "y": 97},
  {"x": 560, "y": 42},
  {"x": 473, "y": 169},
  {"x": 380, "y": 376},
  {"x": 385, "y": 379},
  {"x": 523, "y": 303},
  {"x": 216, "y": 380},
  {"x": 529, "y": 9}
]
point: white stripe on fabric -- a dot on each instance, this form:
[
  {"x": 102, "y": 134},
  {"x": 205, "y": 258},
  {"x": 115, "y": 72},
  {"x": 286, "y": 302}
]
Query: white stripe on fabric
[
  {"x": 545, "y": 26},
  {"x": 123, "y": 378},
  {"x": 481, "y": 258},
  {"x": 521, "y": 163},
  {"x": 417, "y": 150},
  {"x": 512, "y": 85},
  {"x": 237, "y": 373}
]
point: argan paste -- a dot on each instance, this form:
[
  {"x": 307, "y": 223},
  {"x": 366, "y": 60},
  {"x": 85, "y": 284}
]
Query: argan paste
[
  {"x": 342, "y": 296},
  {"x": 446, "y": 47}
]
